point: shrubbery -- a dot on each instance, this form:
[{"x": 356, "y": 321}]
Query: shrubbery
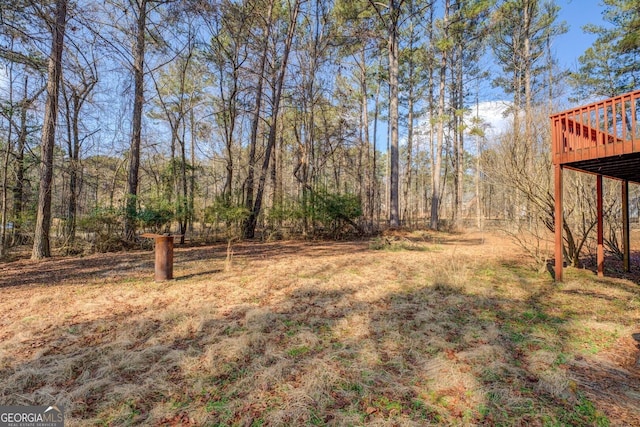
[
  {"x": 331, "y": 209},
  {"x": 224, "y": 211},
  {"x": 155, "y": 216},
  {"x": 105, "y": 224}
]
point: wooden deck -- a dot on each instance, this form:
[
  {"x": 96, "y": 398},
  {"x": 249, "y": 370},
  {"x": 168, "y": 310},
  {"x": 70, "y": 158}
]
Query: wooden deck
[{"x": 601, "y": 138}]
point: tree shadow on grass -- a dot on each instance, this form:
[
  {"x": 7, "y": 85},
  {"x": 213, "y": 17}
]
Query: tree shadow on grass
[
  {"x": 57, "y": 271},
  {"x": 97, "y": 267},
  {"x": 614, "y": 267},
  {"x": 423, "y": 353}
]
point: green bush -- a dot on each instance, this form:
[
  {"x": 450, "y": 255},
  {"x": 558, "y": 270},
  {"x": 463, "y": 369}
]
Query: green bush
[
  {"x": 101, "y": 220},
  {"x": 336, "y": 213},
  {"x": 283, "y": 212},
  {"x": 232, "y": 215},
  {"x": 155, "y": 215},
  {"x": 225, "y": 211},
  {"x": 329, "y": 208},
  {"x": 106, "y": 225}
]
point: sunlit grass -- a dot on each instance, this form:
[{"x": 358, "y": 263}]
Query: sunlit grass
[{"x": 460, "y": 333}]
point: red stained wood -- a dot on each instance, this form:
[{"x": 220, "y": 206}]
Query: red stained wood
[{"x": 602, "y": 138}]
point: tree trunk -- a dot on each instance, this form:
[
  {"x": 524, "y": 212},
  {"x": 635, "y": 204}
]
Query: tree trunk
[
  {"x": 5, "y": 167},
  {"x": 374, "y": 168},
  {"x": 18, "y": 189},
  {"x": 192, "y": 177},
  {"x": 252, "y": 220},
  {"x": 249, "y": 224},
  {"x": 459, "y": 140},
  {"x": 435, "y": 191},
  {"x": 408, "y": 178},
  {"x": 528, "y": 113},
  {"x": 73, "y": 106},
  {"x": 308, "y": 137},
  {"x": 365, "y": 129},
  {"x": 184, "y": 217},
  {"x": 432, "y": 110},
  {"x": 136, "y": 124},
  {"x": 478, "y": 158},
  {"x": 69, "y": 230},
  {"x": 409, "y": 170},
  {"x": 393, "y": 47},
  {"x": 273, "y": 173},
  {"x": 41, "y": 247}
]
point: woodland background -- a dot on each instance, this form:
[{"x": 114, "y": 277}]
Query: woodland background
[{"x": 277, "y": 118}]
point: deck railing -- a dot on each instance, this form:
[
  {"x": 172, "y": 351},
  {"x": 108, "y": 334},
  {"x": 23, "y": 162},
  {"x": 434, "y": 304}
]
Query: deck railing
[{"x": 602, "y": 129}]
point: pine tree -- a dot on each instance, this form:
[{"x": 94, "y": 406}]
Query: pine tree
[
  {"x": 41, "y": 248},
  {"x": 611, "y": 67}
]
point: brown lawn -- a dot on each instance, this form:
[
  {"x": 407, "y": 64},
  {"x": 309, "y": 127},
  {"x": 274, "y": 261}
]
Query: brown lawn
[{"x": 409, "y": 329}]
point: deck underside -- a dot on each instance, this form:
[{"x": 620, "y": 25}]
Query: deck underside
[{"x": 624, "y": 167}]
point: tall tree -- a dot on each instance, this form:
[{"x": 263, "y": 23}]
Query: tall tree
[
  {"x": 390, "y": 14},
  {"x": 228, "y": 51},
  {"x": 414, "y": 66},
  {"x": 179, "y": 90},
  {"x": 280, "y": 74},
  {"x": 444, "y": 46},
  {"x": 140, "y": 9},
  {"x": 312, "y": 54},
  {"x": 58, "y": 21},
  {"x": 468, "y": 30},
  {"x": 358, "y": 26},
  {"x": 249, "y": 225},
  {"x": 519, "y": 43},
  {"x": 7, "y": 113}
]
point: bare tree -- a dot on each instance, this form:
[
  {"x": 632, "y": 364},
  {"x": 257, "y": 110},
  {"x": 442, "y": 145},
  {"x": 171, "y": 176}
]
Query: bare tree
[
  {"x": 250, "y": 223},
  {"x": 75, "y": 95},
  {"x": 41, "y": 246}
]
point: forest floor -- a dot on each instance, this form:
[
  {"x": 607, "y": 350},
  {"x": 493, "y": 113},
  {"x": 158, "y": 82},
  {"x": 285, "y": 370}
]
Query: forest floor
[{"x": 412, "y": 328}]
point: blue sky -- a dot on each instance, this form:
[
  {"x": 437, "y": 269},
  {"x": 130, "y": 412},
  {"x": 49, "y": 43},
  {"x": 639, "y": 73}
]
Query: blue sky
[
  {"x": 576, "y": 13},
  {"x": 567, "y": 48}
]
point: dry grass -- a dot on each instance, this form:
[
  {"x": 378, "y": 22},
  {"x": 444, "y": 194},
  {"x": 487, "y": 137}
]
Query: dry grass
[{"x": 445, "y": 329}]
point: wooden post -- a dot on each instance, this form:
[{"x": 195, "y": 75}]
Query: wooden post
[
  {"x": 164, "y": 258},
  {"x": 558, "y": 223},
  {"x": 625, "y": 226},
  {"x": 164, "y": 255},
  {"x": 600, "y": 251}
]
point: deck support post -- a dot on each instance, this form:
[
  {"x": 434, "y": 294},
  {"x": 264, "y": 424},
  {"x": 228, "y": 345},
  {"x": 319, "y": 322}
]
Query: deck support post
[
  {"x": 558, "y": 223},
  {"x": 625, "y": 227},
  {"x": 600, "y": 251}
]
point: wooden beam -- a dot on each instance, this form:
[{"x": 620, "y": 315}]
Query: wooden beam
[
  {"x": 625, "y": 227},
  {"x": 600, "y": 251},
  {"x": 558, "y": 223}
]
